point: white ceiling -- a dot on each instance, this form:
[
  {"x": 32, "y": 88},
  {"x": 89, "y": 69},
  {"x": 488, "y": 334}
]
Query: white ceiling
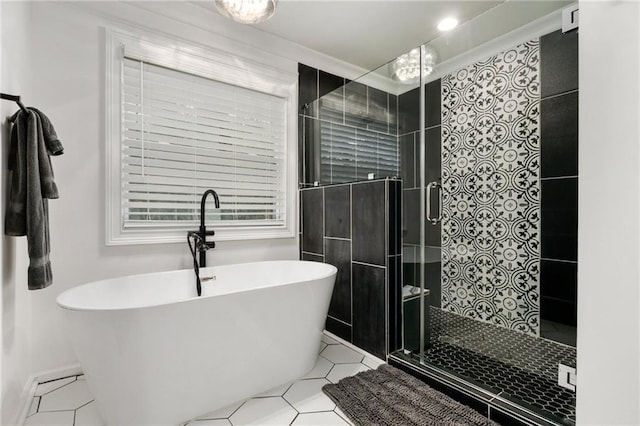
[
  {"x": 367, "y": 33},
  {"x": 370, "y": 33},
  {"x": 364, "y": 33}
]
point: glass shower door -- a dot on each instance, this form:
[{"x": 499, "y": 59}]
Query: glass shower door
[
  {"x": 473, "y": 278},
  {"x": 422, "y": 213}
]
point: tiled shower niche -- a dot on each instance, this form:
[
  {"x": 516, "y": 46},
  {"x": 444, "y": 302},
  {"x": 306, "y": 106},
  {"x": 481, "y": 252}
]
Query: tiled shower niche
[{"x": 355, "y": 227}]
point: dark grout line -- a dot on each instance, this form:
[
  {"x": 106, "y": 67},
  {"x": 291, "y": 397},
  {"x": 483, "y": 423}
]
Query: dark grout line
[
  {"x": 557, "y": 95},
  {"x": 291, "y": 405},
  {"x": 234, "y": 411},
  {"x": 59, "y": 378},
  {"x": 294, "y": 419},
  {"x": 57, "y": 411}
]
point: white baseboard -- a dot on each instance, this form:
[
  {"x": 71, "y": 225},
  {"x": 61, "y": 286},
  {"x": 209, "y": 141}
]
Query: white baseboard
[
  {"x": 25, "y": 400},
  {"x": 32, "y": 384}
]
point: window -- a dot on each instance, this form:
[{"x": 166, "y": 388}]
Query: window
[{"x": 186, "y": 123}]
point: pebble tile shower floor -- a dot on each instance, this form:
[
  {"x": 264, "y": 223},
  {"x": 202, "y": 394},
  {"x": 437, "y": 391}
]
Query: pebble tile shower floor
[
  {"x": 68, "y": 402},
  {"x": 516, "y": 366}
]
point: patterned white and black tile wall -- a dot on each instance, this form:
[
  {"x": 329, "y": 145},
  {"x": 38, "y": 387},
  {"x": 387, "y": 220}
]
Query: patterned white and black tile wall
[
  {"x": 346, "y": 130},
  {"x": 355, "y": 227},
  {"x": 553, "y": 287},
  {"x": 491, "y": 189}
]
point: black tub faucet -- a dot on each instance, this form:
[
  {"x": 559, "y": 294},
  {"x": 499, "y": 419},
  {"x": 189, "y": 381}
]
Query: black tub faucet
[
  {"x": 199, "y": 237},
  {"x": 206, "y": 245}
]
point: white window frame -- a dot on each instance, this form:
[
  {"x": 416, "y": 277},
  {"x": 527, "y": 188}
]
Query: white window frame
[{"x": 205, "y": 62}]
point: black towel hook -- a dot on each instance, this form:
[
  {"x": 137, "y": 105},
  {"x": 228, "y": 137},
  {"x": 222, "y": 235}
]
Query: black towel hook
[{"x": 15, "y": 99}]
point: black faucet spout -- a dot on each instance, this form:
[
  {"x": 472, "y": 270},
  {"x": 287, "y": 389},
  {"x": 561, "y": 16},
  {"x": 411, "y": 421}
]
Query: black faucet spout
[
  {"x": 203, "y": 229},
  {"x": 216, "y": 200}
]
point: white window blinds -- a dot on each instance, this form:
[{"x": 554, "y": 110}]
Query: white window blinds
[{"x": 183, "y": 134}]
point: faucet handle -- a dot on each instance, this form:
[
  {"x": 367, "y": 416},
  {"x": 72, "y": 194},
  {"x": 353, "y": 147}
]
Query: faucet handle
[{"x": 195, "y": 235}]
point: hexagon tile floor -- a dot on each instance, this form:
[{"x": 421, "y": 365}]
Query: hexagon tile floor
[{"x": 67, "y": 401}]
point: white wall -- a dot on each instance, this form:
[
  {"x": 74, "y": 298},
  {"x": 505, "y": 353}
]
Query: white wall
[
  {"x": 16, "y": 304},
  {"x": 65, "y": 52},
  {"x": 608, "y": 390}
]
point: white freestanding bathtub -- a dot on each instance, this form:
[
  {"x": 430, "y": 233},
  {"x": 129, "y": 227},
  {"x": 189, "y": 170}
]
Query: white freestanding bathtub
[{"x": 156, "y": 354}]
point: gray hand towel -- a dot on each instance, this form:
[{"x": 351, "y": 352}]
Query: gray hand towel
[
  {"x": 54, "y": 146},
  {"x": 31, "y": 185}
]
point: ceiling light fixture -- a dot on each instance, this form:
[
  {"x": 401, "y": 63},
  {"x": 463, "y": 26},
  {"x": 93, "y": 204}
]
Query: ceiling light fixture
[
  {"x": 447, "y": 24},
  {"x": 406, "y": 68},
  {"x": 247, "y": 11}
]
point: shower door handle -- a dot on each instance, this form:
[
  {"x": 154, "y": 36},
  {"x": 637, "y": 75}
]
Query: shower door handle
[{"x": 430, "y": 186}]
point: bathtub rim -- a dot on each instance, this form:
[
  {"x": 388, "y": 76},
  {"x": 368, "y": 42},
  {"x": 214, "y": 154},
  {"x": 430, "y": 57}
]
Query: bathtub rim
[{"x": 68, "y": 293}]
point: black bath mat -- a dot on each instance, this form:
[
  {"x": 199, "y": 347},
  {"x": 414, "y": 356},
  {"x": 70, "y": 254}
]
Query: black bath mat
[{"x": 390, "y": 397}]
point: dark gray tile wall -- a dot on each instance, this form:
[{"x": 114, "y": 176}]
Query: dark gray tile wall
[
  {"x": 331, "y": 97},
  {"x": 432, "y": 273},
  {"x": 307, "y": 88},
  {"x": 432, "y": 104},
  {"x": 394, "y": 275},
  {"x": 433, "y": 156},
  {"x": 369, "y": 301},
  {"x": 411, "y": 216},
  {"x": 559, "y": 135},
  {"x": 407, "y": 146},
  {"x": 558, "y": 63},
  {"x": 311, "y": 154},
  {"x": 369, "y": 236},
  {"x": 359, "y": 226},
  {"x": 393, "y": 114},
  {"x": 337, "y": 219},
  {"x": 328, "y": 83},
  {"x": 339, "y": 328},
  {"x": 559, "y": 174},
  {"x": 312, "y": 222},
  {"x": 394, "y": 220},
  {"x": 355, "y": 103},
  {"x": 560, "y": 219},
  {"x": 312, "y": 257},
  {"x": 552, "y": 271},
  {"x": 338, "y": 253},
  {"x": 377, "y": 110},
  {"x": 346, "y": 129},
  {"x": 408, "y": 111}
]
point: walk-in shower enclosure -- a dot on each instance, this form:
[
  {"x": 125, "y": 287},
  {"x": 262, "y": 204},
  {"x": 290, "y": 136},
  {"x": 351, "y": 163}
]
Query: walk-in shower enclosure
[{"x": 475, "y": 161}]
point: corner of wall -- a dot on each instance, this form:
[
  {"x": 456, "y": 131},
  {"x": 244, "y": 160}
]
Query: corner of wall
[{"x": 15, "y": 306}]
